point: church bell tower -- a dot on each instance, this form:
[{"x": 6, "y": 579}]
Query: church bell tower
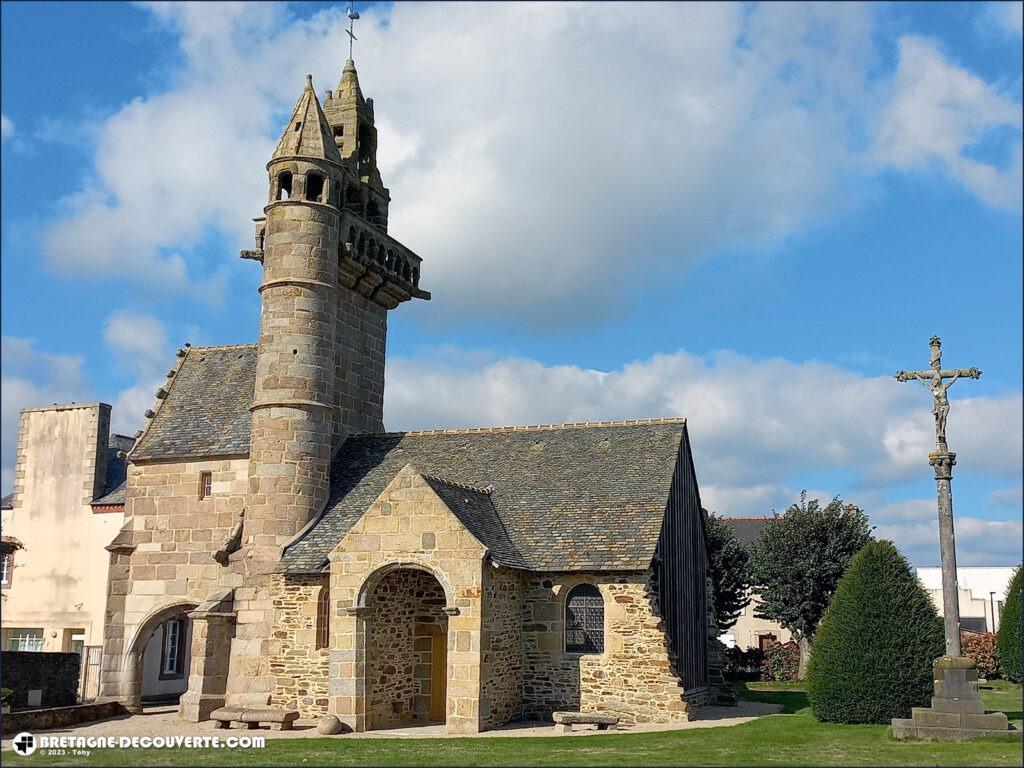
[{"x": 330, "y": 274}]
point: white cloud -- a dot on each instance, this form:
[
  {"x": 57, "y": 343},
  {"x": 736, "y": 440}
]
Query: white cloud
[
  {"x": 6, "y": 128},
  {"x": 1009, "y": 17},
  {"x": 1007, "y": 497},
  {"x": 611, "y": 135},
  {"x": 978, "y": 541},
  {"x": 31, "y": 379},
  {"x": 938, "y": 113},
  {"x": 543, "y": 156},
  {"x": 139, "y": 342},
  {"x": 760, "y": 430}
]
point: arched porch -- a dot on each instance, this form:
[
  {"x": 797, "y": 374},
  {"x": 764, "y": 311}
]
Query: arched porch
[{"x": 134, "y": 659}]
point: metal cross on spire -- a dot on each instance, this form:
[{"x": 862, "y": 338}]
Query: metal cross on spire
[
  {"x": 353, "y": 14},
  {"x": 937, "y": 380}
]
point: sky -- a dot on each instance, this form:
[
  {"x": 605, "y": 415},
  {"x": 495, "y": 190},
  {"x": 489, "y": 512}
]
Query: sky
[{"x": 748, "y": 215}]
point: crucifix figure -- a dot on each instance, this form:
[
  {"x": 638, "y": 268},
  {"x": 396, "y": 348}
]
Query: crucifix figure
[{"x": 937, "y": 381}]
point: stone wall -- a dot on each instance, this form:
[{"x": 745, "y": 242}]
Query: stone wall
[
  {"x": 360, "y": 341},
  {"x": 501, "y": 648},
  {"x": 405, "y": 615},
  {"x": 164, "y": 555},
  {"x": 55, "y": 674},
  {"x": 633, "y": 678},
  {"x": 34, "y": 720},
  {"x": 300, "y": 669},
  {"x": 406, "y": 526}
]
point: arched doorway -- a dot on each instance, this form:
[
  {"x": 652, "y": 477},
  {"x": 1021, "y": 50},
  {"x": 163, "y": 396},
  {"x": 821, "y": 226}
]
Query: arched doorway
[
  {"x": 146, "y": 637},
  {"x": 406, "y": 650},
  {"x": 165, "y": 661}
]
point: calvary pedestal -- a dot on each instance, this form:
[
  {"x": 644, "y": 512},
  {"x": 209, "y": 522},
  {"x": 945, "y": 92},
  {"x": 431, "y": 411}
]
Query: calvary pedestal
[{"x": 957, "y": 712}]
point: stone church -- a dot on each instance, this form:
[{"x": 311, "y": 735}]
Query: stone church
[{"x": 466, "y": 576}]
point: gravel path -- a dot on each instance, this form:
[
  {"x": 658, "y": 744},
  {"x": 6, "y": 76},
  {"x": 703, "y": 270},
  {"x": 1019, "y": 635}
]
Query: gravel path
[{"x": 163, "y": 721}]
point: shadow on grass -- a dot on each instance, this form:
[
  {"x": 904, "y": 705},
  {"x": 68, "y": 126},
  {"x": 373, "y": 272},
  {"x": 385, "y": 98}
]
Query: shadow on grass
[{"x": 791, "y": 701}]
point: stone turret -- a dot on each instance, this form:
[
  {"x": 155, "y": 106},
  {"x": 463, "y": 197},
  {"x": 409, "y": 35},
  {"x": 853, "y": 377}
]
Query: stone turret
[
  {"x": 352, "y": 126},
  {"x": 293, "y": 410},
  {"x": 330, "y": 275}
]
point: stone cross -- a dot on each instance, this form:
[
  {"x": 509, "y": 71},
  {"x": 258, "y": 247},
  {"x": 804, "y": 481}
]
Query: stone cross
[{"x": 937, "y": 380}]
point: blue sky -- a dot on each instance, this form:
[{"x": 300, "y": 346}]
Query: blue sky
[{"x": 748, "y": 215}]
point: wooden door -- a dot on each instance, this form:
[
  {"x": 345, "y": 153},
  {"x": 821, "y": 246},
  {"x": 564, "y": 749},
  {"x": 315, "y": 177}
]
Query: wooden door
[{"x": 438, "y": 676}]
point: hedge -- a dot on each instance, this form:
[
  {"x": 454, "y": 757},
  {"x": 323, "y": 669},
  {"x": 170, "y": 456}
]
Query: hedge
[
  {"x": 1010, "y": 632},
  {"x": 871, "y": 659}
]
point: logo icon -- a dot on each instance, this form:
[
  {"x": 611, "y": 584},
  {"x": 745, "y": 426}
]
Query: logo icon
[{"x": 24, "y": 744}]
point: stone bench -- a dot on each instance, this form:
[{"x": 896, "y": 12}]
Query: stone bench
[
  {"x": 276, "y": 719},
  {"x": 564, "y": 721}
]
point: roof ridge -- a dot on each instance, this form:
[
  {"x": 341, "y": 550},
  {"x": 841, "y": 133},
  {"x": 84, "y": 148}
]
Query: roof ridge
[
  {"x": 533, "y": 427},
  {"x": 453, "y": 484}
]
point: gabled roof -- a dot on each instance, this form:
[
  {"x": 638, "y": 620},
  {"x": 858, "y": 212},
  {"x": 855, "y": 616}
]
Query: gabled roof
[
  {"x": 747, "y": 529},
  {"x": 308, "y": 134},
  {"x": 475, "y": 510},
  {"x": 206, "y": 410},
  {"x": 569, "y": 497}
]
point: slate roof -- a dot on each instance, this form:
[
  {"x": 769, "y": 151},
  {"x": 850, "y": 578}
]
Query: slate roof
[
  {"x": 476, "y": 511},
  {"x": 569, "y": 497},
  {"x": 308, "y": 134},
  {"x": 206, "y": 411},
  {"x": 747, "y": 529},
  {"x": 7, "y": 502},
  {"x": 117, "y": 471}
]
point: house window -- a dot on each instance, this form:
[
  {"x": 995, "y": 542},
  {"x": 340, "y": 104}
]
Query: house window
[
  {"x": 323, "y": 618},
  {"x": 584, "y": 620},
  {"x": 25, "y": 640},
  {"x": 6, "y": 569},
  {"x": 205, "y": 484},
  {"x": 172, "y": 654},
  {"x": 763, "y": 641}
]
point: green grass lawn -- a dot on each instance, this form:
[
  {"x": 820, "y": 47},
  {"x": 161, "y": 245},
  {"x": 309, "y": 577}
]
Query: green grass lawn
[{"x": 794, "y": 738}]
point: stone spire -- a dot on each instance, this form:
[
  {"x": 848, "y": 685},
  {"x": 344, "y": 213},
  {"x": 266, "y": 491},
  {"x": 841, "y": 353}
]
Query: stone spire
[
  {"x": 348, "y": 86},
  {"x": 308, "y": 134}
]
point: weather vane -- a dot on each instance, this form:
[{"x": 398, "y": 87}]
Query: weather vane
[{"x": 353, "y": 14}]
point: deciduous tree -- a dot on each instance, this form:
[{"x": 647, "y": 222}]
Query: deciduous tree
[{"x": 798, "y": 559}]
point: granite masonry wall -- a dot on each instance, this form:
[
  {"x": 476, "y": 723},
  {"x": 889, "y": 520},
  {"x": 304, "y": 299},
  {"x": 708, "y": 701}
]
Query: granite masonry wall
[
  {"x": 300, "y": 669},
  {"x": 501, "y": 648},
  {"x": 360, "y": 341},
  {"x": 406, "y": 527},
  {"x": 633, "y": 678},
  {"x": 405, "y": 615},
  {"x": 163, "y": 556}
]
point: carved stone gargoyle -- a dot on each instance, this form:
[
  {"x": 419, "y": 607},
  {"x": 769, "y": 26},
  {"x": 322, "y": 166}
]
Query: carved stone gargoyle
[{"x": 233, "y": 542}]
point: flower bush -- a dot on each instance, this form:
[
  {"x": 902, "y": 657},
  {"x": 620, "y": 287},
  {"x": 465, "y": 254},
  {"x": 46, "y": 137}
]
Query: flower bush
[
  {"x": 781, "y": 661},
  {"x": 982, "y": 648}
]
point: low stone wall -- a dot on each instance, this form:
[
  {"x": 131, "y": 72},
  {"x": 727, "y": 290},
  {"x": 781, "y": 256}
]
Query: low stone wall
[
  {"x": 55, "y": 674},
  {"x": 32, "y": 720}
]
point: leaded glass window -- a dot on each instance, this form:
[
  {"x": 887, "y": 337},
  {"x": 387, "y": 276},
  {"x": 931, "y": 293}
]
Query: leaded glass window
[{"x": 584, "y": 620}]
